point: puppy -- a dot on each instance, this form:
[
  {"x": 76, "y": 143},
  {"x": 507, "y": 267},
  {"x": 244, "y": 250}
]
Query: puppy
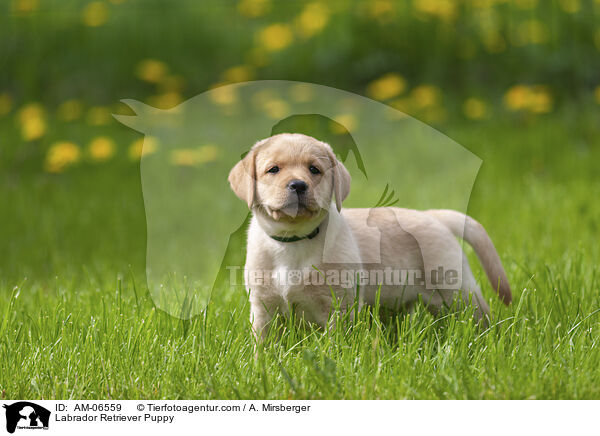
[{"x": 308, "y": 255}]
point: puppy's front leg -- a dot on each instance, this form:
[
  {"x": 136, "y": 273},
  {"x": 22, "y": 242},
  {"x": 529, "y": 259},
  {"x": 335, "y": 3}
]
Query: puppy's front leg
[
  {"x": 260, "y": 318},
  {"x": 329, "y": 308}
]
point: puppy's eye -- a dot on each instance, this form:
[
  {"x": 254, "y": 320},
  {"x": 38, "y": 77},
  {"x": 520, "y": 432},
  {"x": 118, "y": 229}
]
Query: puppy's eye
[
  {"x": 273, "y": 170},
  {"x": 313, "y": 169}
]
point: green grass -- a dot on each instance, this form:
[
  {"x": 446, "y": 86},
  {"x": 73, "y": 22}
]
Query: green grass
[{"x": 77, "y": 321}]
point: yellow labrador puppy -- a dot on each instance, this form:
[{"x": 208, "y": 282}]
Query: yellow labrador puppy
[{"x": 308, "y": 255}]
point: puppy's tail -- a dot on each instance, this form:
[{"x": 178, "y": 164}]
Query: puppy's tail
[{"x": 463, "y": 226}]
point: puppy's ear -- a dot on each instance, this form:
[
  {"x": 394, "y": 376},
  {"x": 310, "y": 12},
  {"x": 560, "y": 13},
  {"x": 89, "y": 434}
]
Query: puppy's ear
[
  {"x": 341, "y": 180},
  {"x": 242, "y": 178}
]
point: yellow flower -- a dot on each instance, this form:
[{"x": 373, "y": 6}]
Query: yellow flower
[
  {"x": 597, "y": 94},
  {"x": 69, "y": 110},
  {"x": 270, "y": 102},
  {"x": 343, "y": 123},
  {"x": 382, "y": 10},
  {"x": 253, "y": 8},
  {"x": 276, "y": 108},
  {"x": 98, "y": 116},
  {"x": 378, "y": 8},
  {"x": 387, "y": 86},
  {"x": 60, "y": 156},
  {"x": 570, "y": 6},
  {"x": 194, "y": 157},
  {"x": 151, "y": 70},
  {"x": 5, "y": 104},
  {"x": 223, "y": 95},
  {"x": 535, "y": 99},
  {"x": 540, "y": 100},
  {"x": 275, "y": 37},
  {"x": 25, "y": 6},
  {"x": 167, "y": 100},
  {"x": 33, "y": 121},
  {"x": 208, "y": 153},
  {"x": 183, "y": 157},
  {"x": 142, "y": 147},
  {"x": 444, "y": 9},
  {"x": 425, "y": 96},
  {"x": 517, "y": 97},
  {"x": 101, "y": 149},
  {"x": 475, "y": 108},
  {"x": 313, "y": 19},
  {"x": 301, "y": 93},
  {"x": 95, "y": 14},
  {"x": 240, "y": 73}
]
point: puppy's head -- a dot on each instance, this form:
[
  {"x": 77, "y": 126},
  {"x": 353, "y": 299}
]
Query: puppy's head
[{"x": 290, "y": 178}]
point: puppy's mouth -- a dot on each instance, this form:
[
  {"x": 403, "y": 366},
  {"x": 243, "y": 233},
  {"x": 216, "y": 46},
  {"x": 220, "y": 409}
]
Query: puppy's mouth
[{"x": 295, "y": 209}]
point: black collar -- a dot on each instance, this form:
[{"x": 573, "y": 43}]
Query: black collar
[{"x": 311, "y": 235}]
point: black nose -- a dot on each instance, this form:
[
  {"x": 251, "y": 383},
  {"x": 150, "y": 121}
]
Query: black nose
[{"x": 297, "y": 185}]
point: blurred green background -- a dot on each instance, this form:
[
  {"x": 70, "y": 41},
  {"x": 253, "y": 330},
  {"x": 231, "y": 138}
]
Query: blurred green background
[{"x": 101, "y": 51}]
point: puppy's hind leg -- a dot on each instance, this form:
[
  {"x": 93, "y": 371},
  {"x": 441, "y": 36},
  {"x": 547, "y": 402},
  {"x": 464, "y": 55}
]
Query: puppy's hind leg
[
  {"x": 443, "y": 300},
  {"x": 469, "y": 293}
]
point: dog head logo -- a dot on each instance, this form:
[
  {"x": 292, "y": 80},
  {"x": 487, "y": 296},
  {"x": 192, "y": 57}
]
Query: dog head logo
[
  {"x": 26, "y": 415},
  {"x": 196, "y": 225}
]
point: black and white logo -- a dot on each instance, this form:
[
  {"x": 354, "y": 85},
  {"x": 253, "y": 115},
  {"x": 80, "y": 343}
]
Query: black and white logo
[{"x": 26, "y": 415}]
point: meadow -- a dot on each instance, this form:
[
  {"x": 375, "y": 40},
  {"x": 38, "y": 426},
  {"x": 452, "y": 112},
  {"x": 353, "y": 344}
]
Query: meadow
[
  {"x": 76, "y": 317},
  {"x": 77, "y": 321}
]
